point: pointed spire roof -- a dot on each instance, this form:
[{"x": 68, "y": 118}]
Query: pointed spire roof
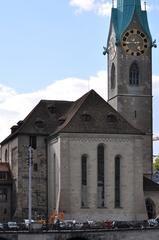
[
  {"x": 122, "y": 16},
  {"x": 121, "y": 4}
]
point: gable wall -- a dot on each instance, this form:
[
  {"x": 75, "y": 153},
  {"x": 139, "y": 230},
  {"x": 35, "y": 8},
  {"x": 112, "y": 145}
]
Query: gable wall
[{"x": 72, "y": 146}]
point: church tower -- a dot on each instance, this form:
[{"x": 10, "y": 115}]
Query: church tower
[{"x": 129, "y": 49}]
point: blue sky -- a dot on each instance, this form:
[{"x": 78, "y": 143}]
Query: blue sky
[{"x": 53, "y": 50}]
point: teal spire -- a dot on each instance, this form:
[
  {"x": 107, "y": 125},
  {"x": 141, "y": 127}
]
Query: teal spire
[
  {"x": 122, "y": 16},
  {"x": 122, "y": 4}
]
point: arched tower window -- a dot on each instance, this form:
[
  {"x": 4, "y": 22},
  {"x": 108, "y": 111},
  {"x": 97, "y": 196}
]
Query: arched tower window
[
  {"x": 84, "y": 163},
  {"x": 6, "y": 155},
  {"x": 134, "y": 74},
  {"x": 113, "y": 76},
  {"x": 117, "y": 181},
  {"x": 100, "y": 175}
]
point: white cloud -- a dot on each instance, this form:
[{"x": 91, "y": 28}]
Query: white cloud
[
  {"x": 5, "y": 92},
  {"x": 156, "y": 85},
  {"x": 85, "y": 5},
  {"x": 15, "y": 107},
  {"x": 100, "y": 7}
]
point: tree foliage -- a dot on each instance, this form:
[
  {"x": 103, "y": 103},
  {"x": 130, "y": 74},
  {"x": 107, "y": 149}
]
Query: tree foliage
[{"x": 156, "y": 164}]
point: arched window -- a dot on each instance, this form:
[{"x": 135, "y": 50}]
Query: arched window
[
  {"x": 151, "y": 209},
  {"x": 100, "y": 175},
  {"x": 134, "y": 74},
  {"x": 113, "y": 76},
  {"x": 117, "y": 181},
  {"x": 84, "y": 180},
  {"x": 6, "y": 155}
]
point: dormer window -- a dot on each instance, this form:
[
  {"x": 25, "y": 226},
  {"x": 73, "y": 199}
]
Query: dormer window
[
  {"x": 111, "y": 118},
  {"x": 14, "y": 128},
  {"x": 86, "y": 117},
  {"x": 61, "y": 120},
  {"x": 52, "y": 108},
  {"x": 39, "y": 123}
]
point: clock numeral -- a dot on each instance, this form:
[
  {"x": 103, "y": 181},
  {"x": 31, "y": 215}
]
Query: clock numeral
[{"x": 142, "y": 35}]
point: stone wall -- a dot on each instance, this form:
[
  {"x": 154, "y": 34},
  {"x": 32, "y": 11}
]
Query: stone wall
[
  {"x": 68, "y": 150},
  {"x": 149, "y": 234}
]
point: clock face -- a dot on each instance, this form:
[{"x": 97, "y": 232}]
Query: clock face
[
  {"x": 134, "y": 42},
  {"x": 112, "y": 48}
]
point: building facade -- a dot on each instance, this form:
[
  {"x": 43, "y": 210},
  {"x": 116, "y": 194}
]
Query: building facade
[
  {"x": 6, "y": 192},
  {"x": 89, "y": 156}
]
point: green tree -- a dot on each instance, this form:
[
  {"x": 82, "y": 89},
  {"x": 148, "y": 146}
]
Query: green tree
[{"x": 156, "y": 164}]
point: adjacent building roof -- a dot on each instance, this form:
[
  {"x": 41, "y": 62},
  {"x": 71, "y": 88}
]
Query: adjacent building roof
[
  {"x": 42, "y": 120},
  {"x": 149, "y": 185},
  {"x": 122, "y": 16}
]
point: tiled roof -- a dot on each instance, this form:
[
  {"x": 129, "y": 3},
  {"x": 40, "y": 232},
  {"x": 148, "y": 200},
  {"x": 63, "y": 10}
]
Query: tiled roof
[
  {"x": 42, "y": 120},
  {"x": 50, "y": 117},
  {"x": 92, "y": 114}
]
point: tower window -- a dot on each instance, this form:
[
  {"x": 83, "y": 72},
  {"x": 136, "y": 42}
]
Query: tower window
[
  {"x": 6, "y": 155},
  {"x": 134, "y": 75},
  {"x": 84, "y": 180},
  {"x": 33, "y": 142},
  {"x": 100, "y": 175},
  {"x": 113, "y": 76},
  {"x": 35, "y": 167},
  {"x": 135, "y": 114},
  {"x": 3, "y": 195},
  {"x": 117, "y": 181}
]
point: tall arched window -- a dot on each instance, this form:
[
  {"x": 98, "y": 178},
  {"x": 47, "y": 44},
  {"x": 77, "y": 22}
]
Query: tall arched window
[
  {"x": 117, "y": 181},
  {"x": 84, "y": 202},
  {"x": 100, "y": 175},
  {"x": 134, "y": 74},
  {"x": 113, "y": 76},
  {"x": 6, "y": 155}
]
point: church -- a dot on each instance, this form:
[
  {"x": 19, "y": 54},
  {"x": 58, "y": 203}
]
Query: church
[{"x": 91, "y": 159}]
